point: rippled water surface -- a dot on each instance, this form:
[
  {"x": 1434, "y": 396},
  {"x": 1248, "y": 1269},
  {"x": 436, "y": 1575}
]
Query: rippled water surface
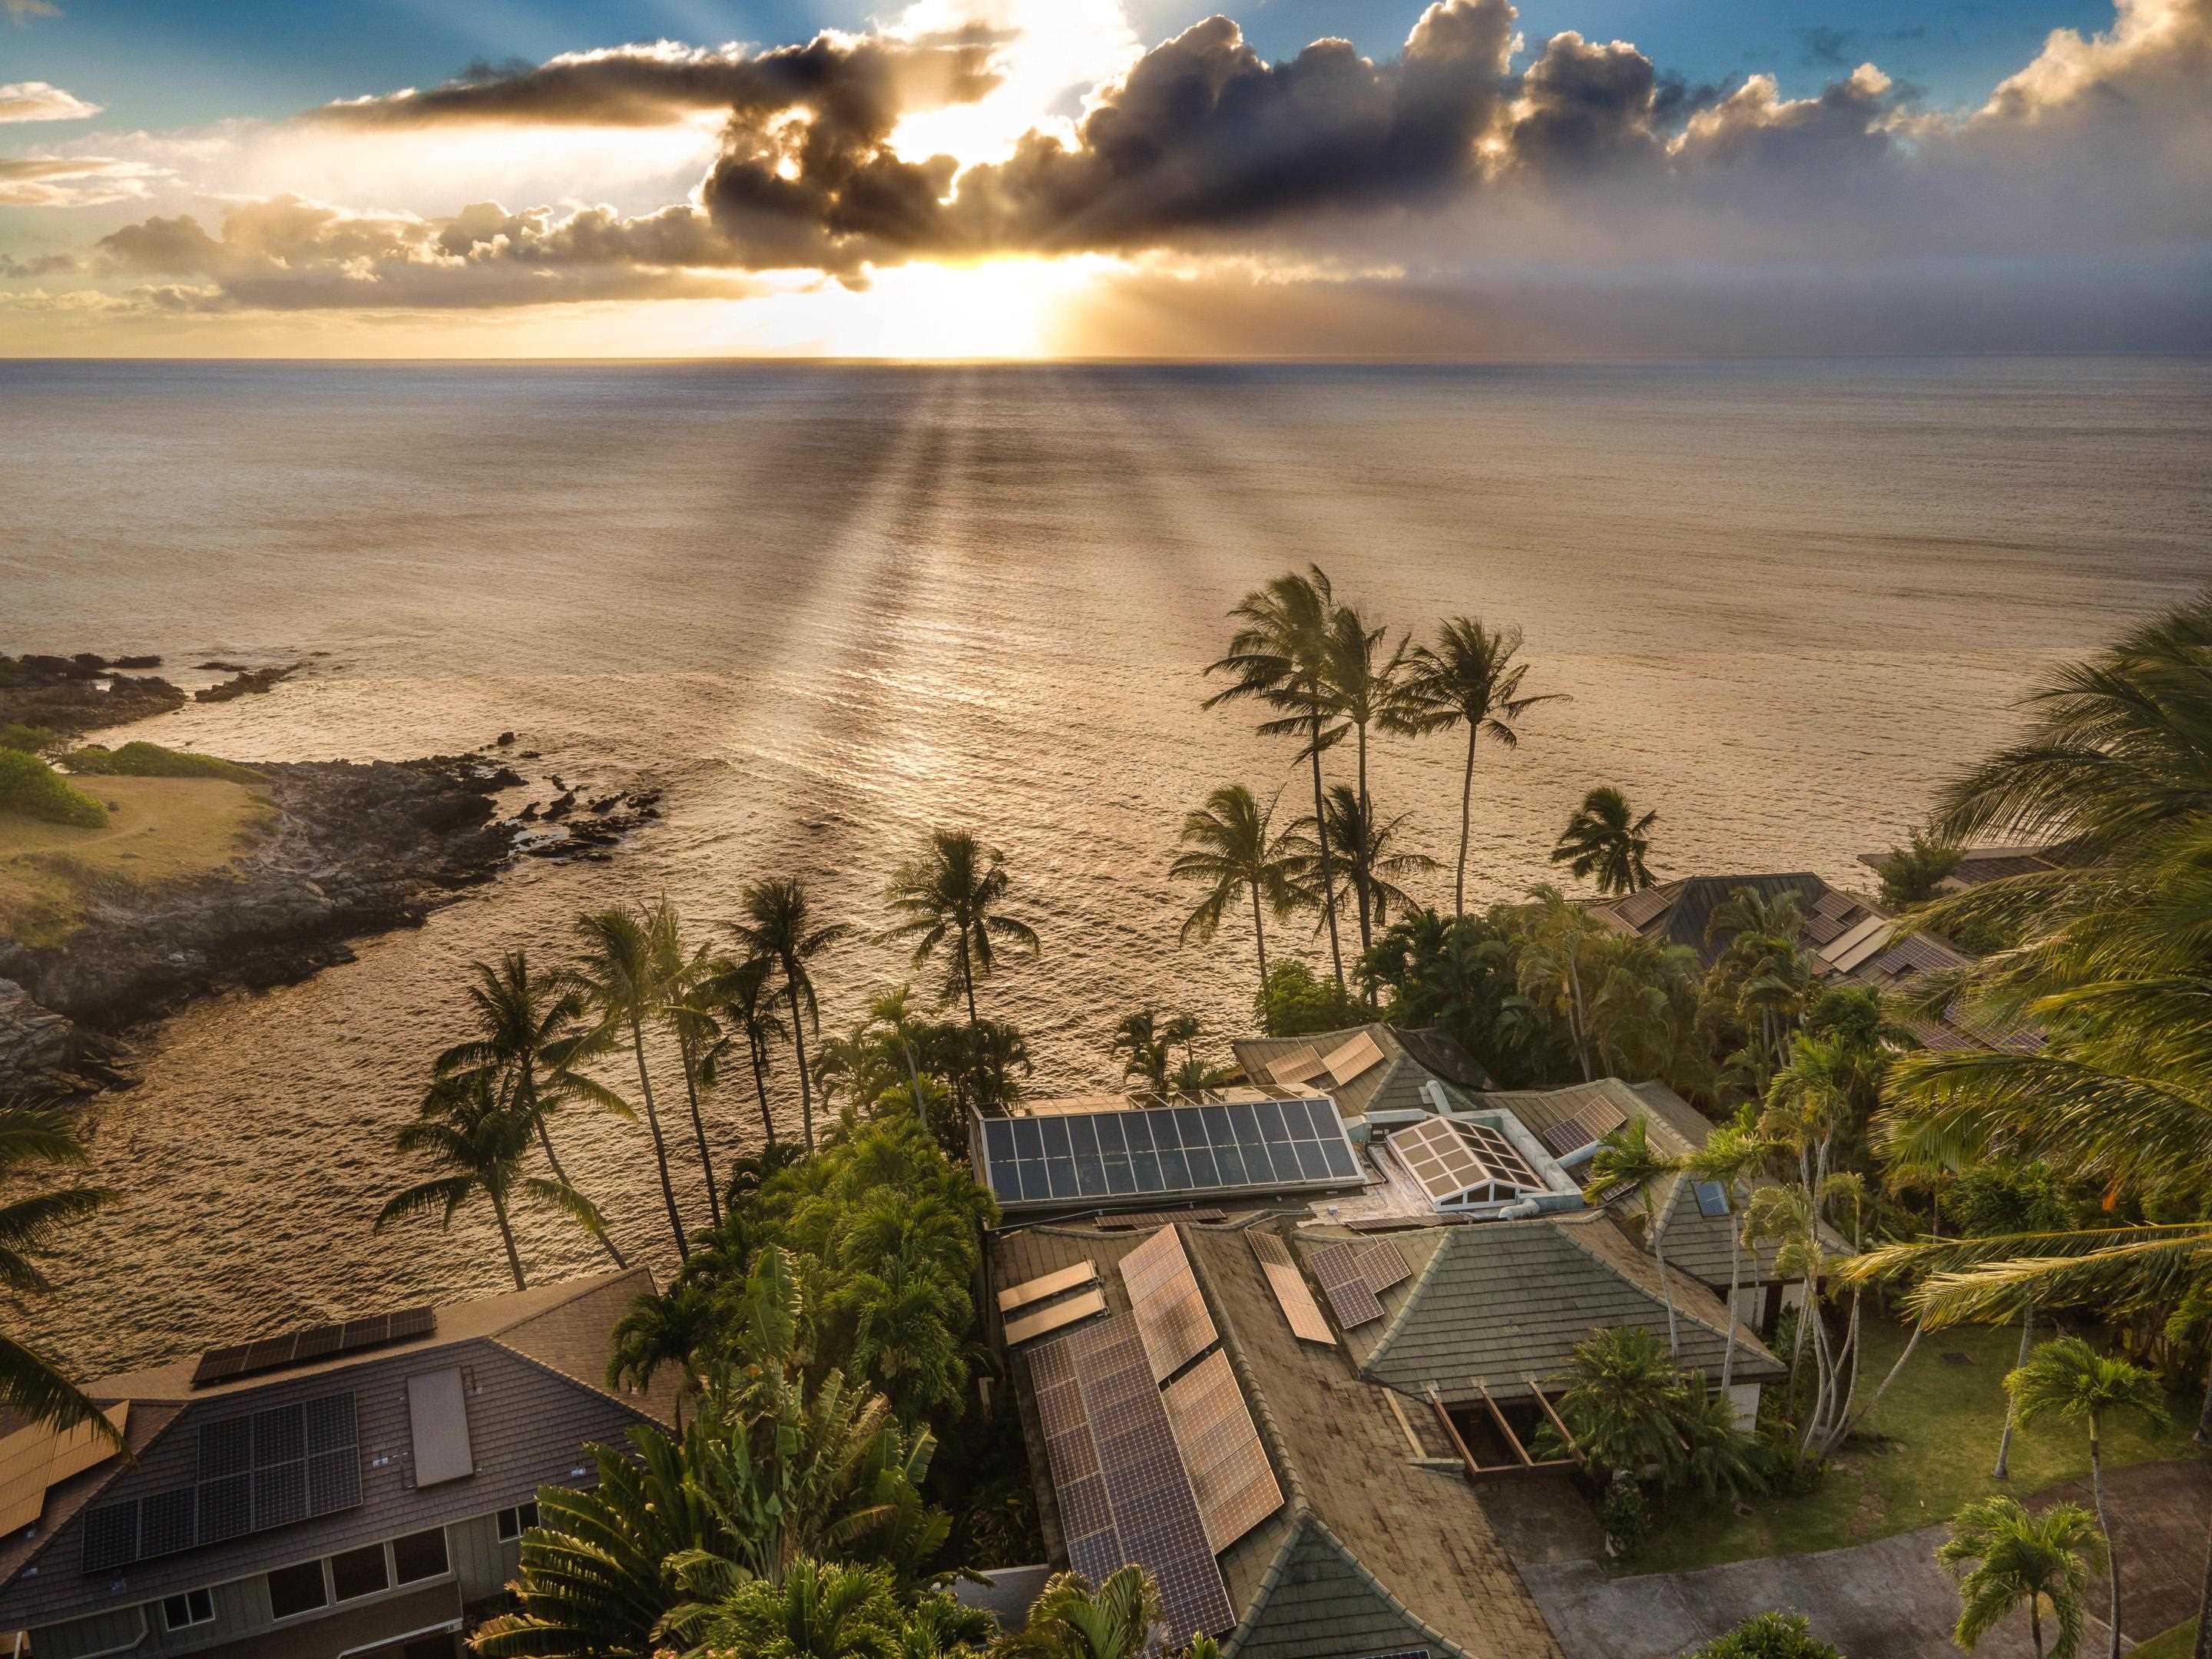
[{"x": 828, "y": 607}]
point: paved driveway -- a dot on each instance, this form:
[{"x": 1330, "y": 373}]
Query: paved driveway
[{"x": 1889, "y": 1599}]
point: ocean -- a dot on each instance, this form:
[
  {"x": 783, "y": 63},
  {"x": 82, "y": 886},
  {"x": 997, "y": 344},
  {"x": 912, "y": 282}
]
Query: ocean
[{"x": 828, "y": 607}]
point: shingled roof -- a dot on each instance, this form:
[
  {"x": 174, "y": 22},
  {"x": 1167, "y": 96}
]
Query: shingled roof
[
  {"x": 1410, "y": 1059},
  {"x": 1502, "y": 1305}
]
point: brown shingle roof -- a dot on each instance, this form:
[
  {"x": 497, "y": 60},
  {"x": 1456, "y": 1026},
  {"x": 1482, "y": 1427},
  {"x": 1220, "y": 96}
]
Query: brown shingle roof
[{"x": 1409, "y": 1060}]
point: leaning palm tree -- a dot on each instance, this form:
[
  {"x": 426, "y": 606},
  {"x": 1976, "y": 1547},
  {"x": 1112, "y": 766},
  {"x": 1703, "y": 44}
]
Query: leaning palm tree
[
  {"x": 1280, "y": 654},
  {"x": 620, "y": 977},
  {"x": 950, "y": 899},
  {"x": 531, "y": 1033},
  {"x": 2068, "y": 1377},
  {"x": 1369, "y": 861},
  {"x": 1469, "y": 679},
  {"x": 31, "y": 1385},
  {"x": 1364, "y": 680},
  {"x": 1626, "y": 1158},
  {"x": 742, "y": 991},
  {"x": 480, "y": 1140},
  {"x": 779, "y": 928},
  {"x": 1230, "y": 849},
  {"x": 1069, "y": 1619},
  {"x": 1607, "y": 839},
  {"x": 2018, "y": 1557},
  {"x": 686, "y": 1007}
]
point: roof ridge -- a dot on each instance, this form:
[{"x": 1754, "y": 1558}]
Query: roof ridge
[
  {"x": 1361, "y": 1570},
  {"x": 1365, "y": 1370},
  {"x": 552, "y": 1371},
  {"x": 1694, "y": 1286},
  {"x": 1278, "y": 1566},
  {"x": 577, "y": 1289}
]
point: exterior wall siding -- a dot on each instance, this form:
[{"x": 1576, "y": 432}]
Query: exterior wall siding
[{"x": 482, "y": 1564}]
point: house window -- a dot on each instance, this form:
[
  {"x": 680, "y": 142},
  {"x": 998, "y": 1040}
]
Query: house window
[
  {"x": 514, "y": 1522},
  {"x": 297, "y": 1589},
  {"x": 359, "y": 1572},
  {"x": 419, "y": 1555},
  {"x": 192, "y": 1608}
]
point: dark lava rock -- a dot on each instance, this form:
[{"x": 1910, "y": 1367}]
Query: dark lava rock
[
  {"x": 505, "y": 739},
  {"x": 563, "y": 807},
  {"x": 136, "y": 662},
  {"x": 251, "y": 679},
  {"x": 217, "y": 666},
  {"x": 64, "y": 694}
]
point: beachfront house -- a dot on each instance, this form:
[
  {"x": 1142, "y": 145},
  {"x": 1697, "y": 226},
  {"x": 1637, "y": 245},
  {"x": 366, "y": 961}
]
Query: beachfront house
[{"x": 351, "y": 1491}]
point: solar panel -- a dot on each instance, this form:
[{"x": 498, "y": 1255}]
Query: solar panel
[
  {"x": 1118, "y": 1479},
  {"x": 1299, "y": 1065},
  {"x": 1229, "y": 1470},
  {"x": 1342, "y": 1271},
  {"x": 1074, "y": 1159},
  {"x": 1591, "y": 1121},
  {"x": 1171, "y": 1310},
  {"x": 1355, "y": 1059},
  {"x": 1299, "y": 1308},
  {"x": 316, "y": 1342},
  {"x": 1124, "y": 1220},
  {"x": 1058, "y": 1317},
  {"x": 1049, "y": 1285},
  {"x": 257, "y": 1470},
  {"x": 1382, "y": 1266}
]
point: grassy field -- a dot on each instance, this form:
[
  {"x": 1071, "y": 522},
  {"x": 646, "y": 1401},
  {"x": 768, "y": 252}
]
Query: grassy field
[
  {"x": 158, "y": 829},
  {"x": 1934, "y": 1441},
  {"x": 2177, "y": 1644}
]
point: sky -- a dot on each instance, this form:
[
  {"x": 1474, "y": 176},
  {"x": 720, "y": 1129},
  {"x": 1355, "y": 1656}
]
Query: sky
[{"x": 1471, "y": 178}]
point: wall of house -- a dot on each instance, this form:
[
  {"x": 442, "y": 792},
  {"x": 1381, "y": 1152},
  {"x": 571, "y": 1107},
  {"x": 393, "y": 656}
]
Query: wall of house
[{"x": 1744, "y": 1396}]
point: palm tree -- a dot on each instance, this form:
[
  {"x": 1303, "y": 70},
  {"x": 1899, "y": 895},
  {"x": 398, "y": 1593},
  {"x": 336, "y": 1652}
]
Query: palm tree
[
  {"x": 1280, "y": 654},
  {"x": 1625, "y": 1401},
  {"x": 686, "y": 1007},
  {"x": 620, "y": 977},
  {"x": 779, "y": 928},
  {"x": 31, "y": 1385},
  {"x": 952, "y": 896},
  {"x": 1146, "y": 1053},
  {"x": 1604, "y": 838},
  {"x": 2018, "y": 1557},
  {"x": 1470, "y": 679},
  {"x": 1730, "y": 1156},
  {"x": 1368, "y": 863},
  {"x": 665, "y": 1329},
  {"x": 1548, "y": 966},
  {"x": 2069, "y": 1377},
  {"x": 740, "y": 990},
  {"x": 465, "y": 1128},
  {"x": 1626, "y": 1156},
  {"x": 1366, "y": 685},
  {"x": 1229, "y": 848},
  {"x": 532, "y": 1032},
  {"x": 1069, "y": 1619}
]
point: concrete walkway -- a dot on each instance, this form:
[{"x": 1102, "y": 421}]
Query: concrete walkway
[{"x": 1889, "y": 1599}]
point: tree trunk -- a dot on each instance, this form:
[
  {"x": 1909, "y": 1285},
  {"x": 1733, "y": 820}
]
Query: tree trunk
[
  {"x": 2003, "y": 1471},
  {"x": 1260, "y": 937},
  {"x": 1911, "y": 1343},
  {"x": 968, "y": 980},
  {"x": 1575, "y": 1020},
  {"x": 546, "y": 1146},
  {"x": 760, "y": 1082},
  {"x": 699, "y": 1128},
  {"x": 2203, "y": 1434},
  {"x": 2112, "y": 1549},
  {"x": 507, "y": 1237},
  {"x": 1327, "y": 868},
  {"x": 1466, "y": 810},
  {"x": 1727, "y": 1354},
  {"x": 1666, "y": 1284},
  {"x": 2035, "y": 1621},
  {"x": 659, "y": 1147},
  {"x": 798, "y": 1053}
]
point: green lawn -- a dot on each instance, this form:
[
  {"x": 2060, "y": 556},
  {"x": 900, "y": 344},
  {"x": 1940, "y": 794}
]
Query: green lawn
[
  {"x": 1941, "y": 1422},
  {"x": 2177, "y": 1644}
]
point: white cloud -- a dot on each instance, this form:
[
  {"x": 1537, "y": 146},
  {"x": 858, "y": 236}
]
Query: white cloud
[
  {"x": 22, "y": 11},
  {"x": 72, "y": 181},
  {"x": 41, "y": 101}
]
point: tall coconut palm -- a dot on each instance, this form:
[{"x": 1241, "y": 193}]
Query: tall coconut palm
[
  {"x": 1230, "y": 849},
  {"x": 687, "y": 1008},
  {"x": 1369, "y": 861},
  {"x": 1279, "y": 655},
  {"x": 665, "y": 1329},
  {"x": 779, "y": 928},
  {"x": 1146, "y": 1052},
  {"x": 1731, "y": 1156},
  {"x": 1469, "y": 679},
  {"x": 742, "y": 991},
  {"x": 2017, "y": 1557},
  {"x": 480, "y": 1140},
  {"x": 950, "y": 899},
  {"x": 31, "y": 1384},
  {"x": 533, "y": 1033},
  {"x": 1605, "y": 839},
  {"x": 2069, "y": 1379},
  {"x": 620, "y": 977},
  {"x": 1070, "y": 1620},
  {"x": 1365, "y": 681},
  {"x": 1626, "y": 1156},
  {"x": 1555, "y": 936}
]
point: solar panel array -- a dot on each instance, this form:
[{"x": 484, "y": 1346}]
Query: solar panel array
[
  {"x": 1353, "y": 1277},
  {"x": 1590, "y": 1122},
  {"x": 1355, "y": 1059},
  {"x": 1046, "y": 1285},
  {"x": 1117, "y": 1476},
  {"x": 1452, "y": 1156},
  {"x": 318, "y": 1342},
  {"x": 1170, "y": 1312},
  {"x": 1229, "y": 1472},
  {"x": 1226, "y": 1146},
  {"x": 1299, "y": 1308},
  {"x": 257, "y": 1470}
]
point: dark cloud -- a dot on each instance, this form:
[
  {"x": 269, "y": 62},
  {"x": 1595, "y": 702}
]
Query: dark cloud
[
  {"x": 1827, "y": 46},
  {"x": 49, "y": 265}
]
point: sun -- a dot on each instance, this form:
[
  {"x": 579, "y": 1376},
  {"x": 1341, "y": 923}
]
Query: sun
[{"x": 994, "y": 308}]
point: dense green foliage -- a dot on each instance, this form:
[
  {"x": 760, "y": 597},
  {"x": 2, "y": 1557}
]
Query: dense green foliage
[
  {"x": 141, "y": 759},
  {"x": 31, "y": 787},
  {"x": 29, "y": 738},
  {"x": 1639, "y": 1417},
  {"x": 32, "y": 1387},
  {"x": 1769, "y": 1636}
]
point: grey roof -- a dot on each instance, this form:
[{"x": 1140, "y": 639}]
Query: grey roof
[
  {"x": 1377, "y": 1547},
  {"x": 537, "y": 1358},
  {"x": 1409, "y": 1060},
  {"x": 1503, "y": 1303},
  {"x": 1005, "y": 1593}
]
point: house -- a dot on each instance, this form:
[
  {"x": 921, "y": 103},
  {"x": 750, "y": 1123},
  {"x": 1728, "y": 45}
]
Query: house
[
  {"x": 353, "y": 1489},
  {"x": 1368, "y": 1068},
  {"x": 1979, "y": 864}
]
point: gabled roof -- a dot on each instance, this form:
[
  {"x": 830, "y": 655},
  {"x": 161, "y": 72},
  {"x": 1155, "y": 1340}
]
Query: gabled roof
[
  {"x": 539, "y": 1359},
  {"x": 1409, "y": 1060},
  {"x": 1502, "y": 1303}
]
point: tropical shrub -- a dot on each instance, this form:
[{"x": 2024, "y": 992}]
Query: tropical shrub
[
  {"x": 28, "y": 738},
  {"x": 1769, "y": 1636},
  {"x": 1914, "y": 873},
  {"x": 1298, "y": 1002},
  {"x": 150, "y": 760},
  {"x": 33, "y": 789}
]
